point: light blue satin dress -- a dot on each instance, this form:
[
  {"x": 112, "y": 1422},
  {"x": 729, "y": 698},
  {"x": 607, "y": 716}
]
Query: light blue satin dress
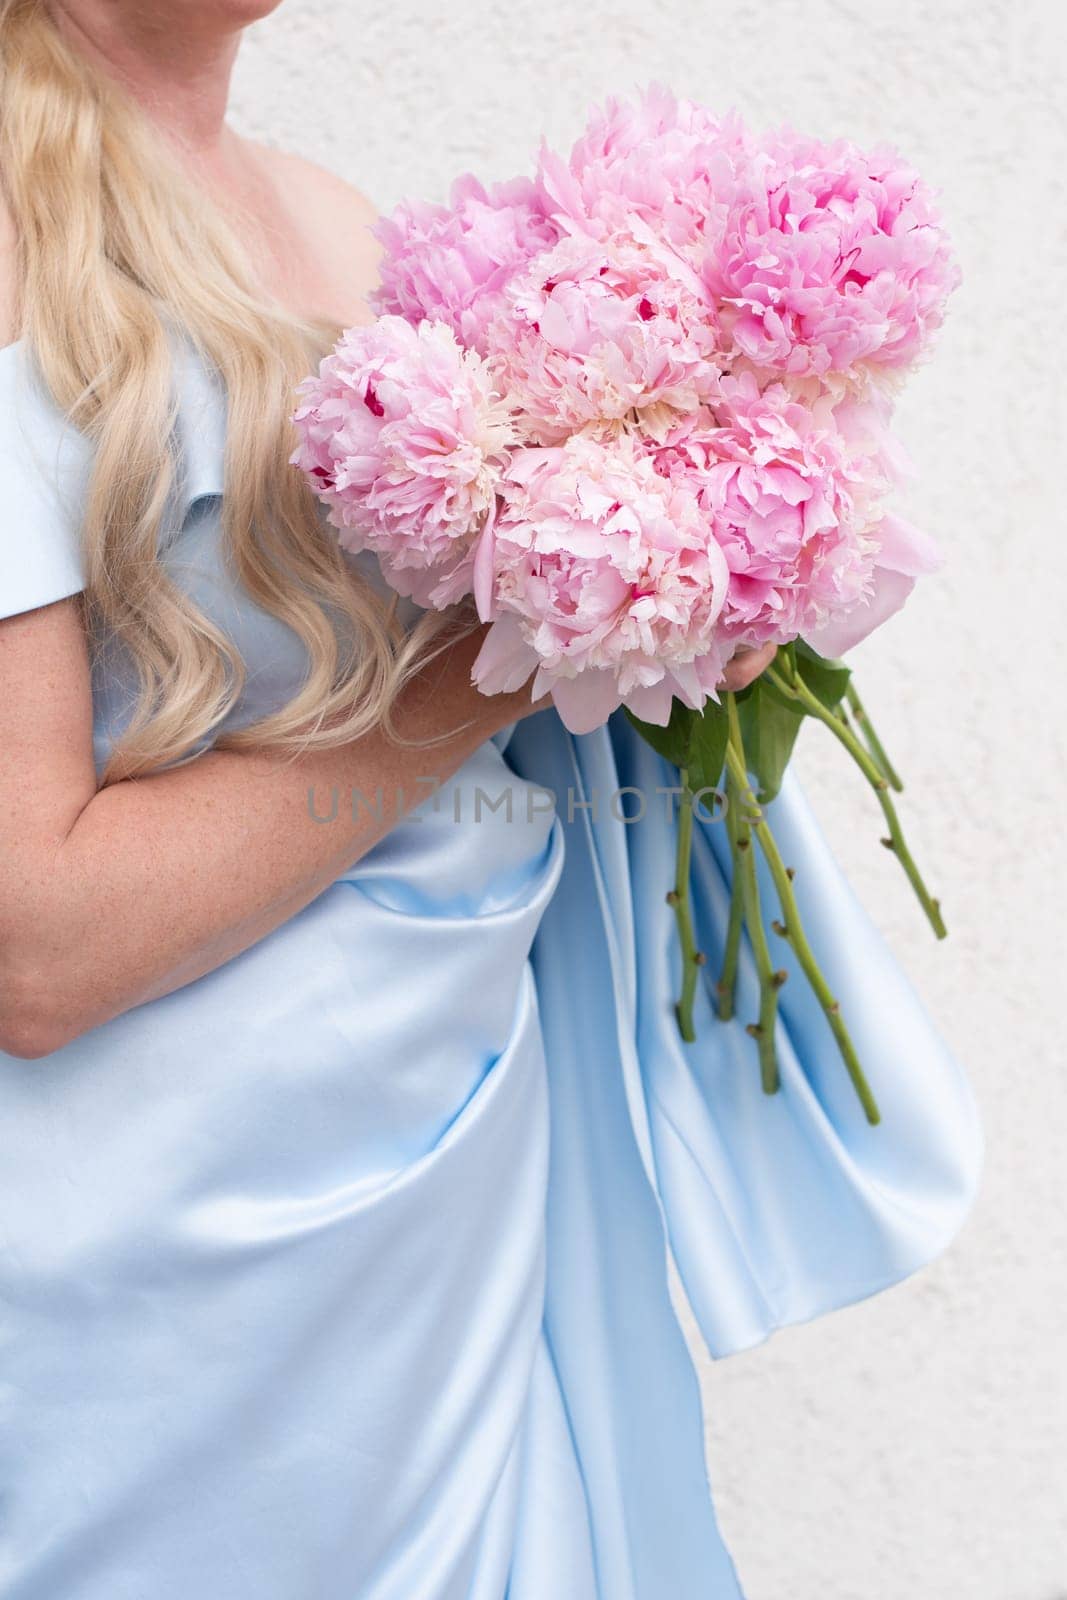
[{"x": 341, "y": 1273}]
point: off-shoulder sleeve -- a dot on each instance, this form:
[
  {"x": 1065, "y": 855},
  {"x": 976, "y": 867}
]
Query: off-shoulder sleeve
[{"x": 44, "y": 463}]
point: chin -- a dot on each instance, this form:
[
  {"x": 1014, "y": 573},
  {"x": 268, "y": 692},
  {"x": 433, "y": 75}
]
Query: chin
[
  {"x": 246, "y": 11},
  {"x": 240, "y": 13},
  {"x": 205, "y": 16}
]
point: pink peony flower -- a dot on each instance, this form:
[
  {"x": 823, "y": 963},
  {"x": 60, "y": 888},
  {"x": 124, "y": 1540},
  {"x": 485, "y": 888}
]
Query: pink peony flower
[
  {"x": 630, "y": 404},
  {"x": 599, "y": 576},
  {"x": 902, "y": 554},
  {"x": 653, "y": 168},
  {"x": 451, "y": 263},
  {"x": 595, "y": 331},
  {"x": 789, "y": 497},
  {"x": 829, "y": 256},
  {"x": 404, "y": 438}
]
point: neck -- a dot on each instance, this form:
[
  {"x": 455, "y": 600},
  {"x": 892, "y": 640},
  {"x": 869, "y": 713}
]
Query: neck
[{"x": 180, "y": 75}]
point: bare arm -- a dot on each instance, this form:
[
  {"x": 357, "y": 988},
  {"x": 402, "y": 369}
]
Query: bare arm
[{"x": 112, "y": 898}]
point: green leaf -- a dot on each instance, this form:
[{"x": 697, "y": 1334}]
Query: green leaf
[
  {"x": 693, "y": 740},
  {"x": 671, "y": 742},
  {"x": 707, "y": 747},
  {"x": 826, "y": 679},
  {"x": 769, "y": 727}
]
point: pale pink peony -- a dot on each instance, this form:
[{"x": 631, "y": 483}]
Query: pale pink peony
[
  {"x": 451, "y": 263},
  {"x": 652, "y": 168},
  {"x": 829, "y": 256},
  {"x": 600, "y": 577},
  {"x": 404, "y": 438},
  {"x": 902, "y": 554},
  {"x": 594, "y": 331},
  {"x": 639, "y": 404},
  {"x": 790, "y": 498}
]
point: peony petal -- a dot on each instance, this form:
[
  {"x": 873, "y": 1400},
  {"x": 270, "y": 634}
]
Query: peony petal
[
  {"x": 687, "y": 684},
  {"x": 906, "y": 548},
  {"x": 653, "y": 702},
  {"x": 586, "y": 702},
  {"x": 483, "y": 567},
  {"x": 505, "y": 661},
  {"x": 891, "y": 589}
]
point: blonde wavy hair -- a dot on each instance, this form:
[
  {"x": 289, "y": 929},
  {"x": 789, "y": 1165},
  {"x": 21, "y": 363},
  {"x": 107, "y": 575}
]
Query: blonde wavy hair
[{"x": 116, "y": 244}]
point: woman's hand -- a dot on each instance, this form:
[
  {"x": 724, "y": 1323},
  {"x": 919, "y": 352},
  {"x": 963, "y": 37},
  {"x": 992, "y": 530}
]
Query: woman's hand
[{"x": 746, "y": 667}]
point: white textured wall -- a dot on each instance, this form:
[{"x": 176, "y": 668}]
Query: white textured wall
[{"x": 914, "y": 1447}]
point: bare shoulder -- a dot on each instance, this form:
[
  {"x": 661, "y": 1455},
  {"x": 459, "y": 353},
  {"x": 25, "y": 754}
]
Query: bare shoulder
[
  {"x": 321, "y": 196},
  {"x": 332, "y": 219},
  {"x": 324, "y": 186}
]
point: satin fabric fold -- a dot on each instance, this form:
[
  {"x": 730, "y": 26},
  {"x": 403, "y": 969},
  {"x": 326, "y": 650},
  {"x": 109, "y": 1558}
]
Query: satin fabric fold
[
  {"x": 273, "y": 1253},
  {"x": 779, "y": 1207},
  {"x": 342, "y": 1271}
]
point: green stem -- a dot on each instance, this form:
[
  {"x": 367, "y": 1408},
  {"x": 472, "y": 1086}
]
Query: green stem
[
  {"x": 793, "y": 930},
  {"x": 897, "y": 843},
  {"x": 874, "y": 744},
  {"x": 795, "y": 687},
  {"x": 692, "y": 958},
  {"x": 727, "y": 983},
  {"x": 770, "y": 981}
]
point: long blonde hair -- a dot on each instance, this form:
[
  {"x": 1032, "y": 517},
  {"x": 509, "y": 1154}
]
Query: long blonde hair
[{"x": 115, "y": 244}]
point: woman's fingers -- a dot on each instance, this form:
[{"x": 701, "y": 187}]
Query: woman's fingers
[{"x": 746, "y": 667}]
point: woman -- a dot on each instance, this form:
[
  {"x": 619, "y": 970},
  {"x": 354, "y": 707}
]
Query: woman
[{"x": 343, "y": 1134}]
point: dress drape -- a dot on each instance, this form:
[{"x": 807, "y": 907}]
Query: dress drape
[{"x": 341, "y": 1272}]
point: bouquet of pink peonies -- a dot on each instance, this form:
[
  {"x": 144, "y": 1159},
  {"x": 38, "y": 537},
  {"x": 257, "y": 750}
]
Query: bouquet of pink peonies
[{"x": 637, "y": 406}]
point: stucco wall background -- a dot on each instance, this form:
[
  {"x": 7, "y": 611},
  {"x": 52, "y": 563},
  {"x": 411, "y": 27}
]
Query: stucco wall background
[{"x": 916, "y": 1445}]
